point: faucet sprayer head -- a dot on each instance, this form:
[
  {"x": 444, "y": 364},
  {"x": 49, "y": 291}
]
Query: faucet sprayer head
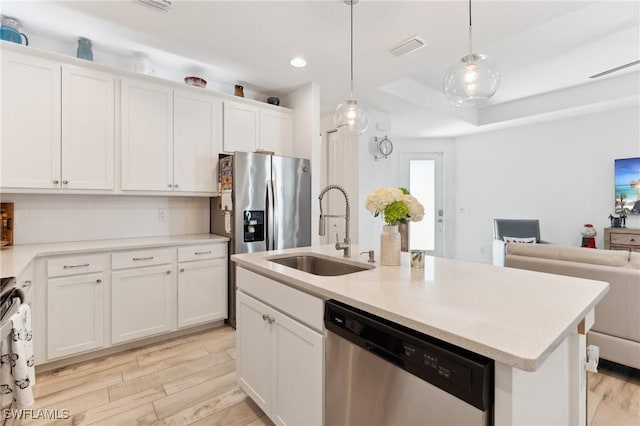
[{"x": 322, "y": 226}]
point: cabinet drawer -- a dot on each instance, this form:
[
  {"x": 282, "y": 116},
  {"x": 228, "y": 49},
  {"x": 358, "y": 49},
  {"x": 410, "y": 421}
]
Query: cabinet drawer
[
  {"x": 201, "y": 252},
  {"x": 626, "y": 239},
  {"x": 136, "y": 258},
  {"x": 73, "y": 265},
  {"x": 295, "y": 303}
]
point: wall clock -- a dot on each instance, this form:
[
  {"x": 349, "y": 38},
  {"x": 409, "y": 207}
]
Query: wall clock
[{"x": 384, "y": 147}]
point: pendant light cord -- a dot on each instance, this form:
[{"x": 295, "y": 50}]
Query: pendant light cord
[
  {"x": 351, "y": 49},
  {"x": 470, "y": 48}
]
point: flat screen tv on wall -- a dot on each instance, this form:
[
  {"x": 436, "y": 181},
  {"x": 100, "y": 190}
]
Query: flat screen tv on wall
[{"x": 627, "y": 181}]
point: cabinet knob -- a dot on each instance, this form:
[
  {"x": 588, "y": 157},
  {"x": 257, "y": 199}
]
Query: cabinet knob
[
  {"x": 169, "y": 185},
  {"x": 633, "y": 239},
  {"x": 26, "y": 284},
  {"x": 175, "y": 186},
  {"x": 56, "y": 181},
  {"x": 64, "y": 182},
  {"x": 168, "y": 272},
  {"x": 99, "y": 281},
  {"x": 265, "y": 317},
  {"x": 271, "y": 319},
  {"x": 181, "y": 269}
]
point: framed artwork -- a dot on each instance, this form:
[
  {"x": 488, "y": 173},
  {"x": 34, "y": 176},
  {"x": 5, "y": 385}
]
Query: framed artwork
[{"x": 627, "y": 186}]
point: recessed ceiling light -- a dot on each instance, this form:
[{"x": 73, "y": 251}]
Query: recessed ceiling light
[{"x": 298, "y": 62}]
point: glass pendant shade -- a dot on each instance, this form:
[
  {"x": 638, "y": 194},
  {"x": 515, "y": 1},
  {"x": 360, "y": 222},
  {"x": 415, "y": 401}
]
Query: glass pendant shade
[
  {"x": 351, "y": 117},
  {"x": 471, "y": 81}
]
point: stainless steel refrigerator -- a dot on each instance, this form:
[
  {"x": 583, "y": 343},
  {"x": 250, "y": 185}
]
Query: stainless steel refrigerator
[{"x": 270, "y": 208}]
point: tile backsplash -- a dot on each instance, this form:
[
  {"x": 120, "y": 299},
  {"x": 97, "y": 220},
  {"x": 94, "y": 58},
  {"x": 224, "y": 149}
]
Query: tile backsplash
[{"x": 55, "y": 218}]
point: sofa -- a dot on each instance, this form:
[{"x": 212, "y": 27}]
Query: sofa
[{"x": 617, "y": 316}]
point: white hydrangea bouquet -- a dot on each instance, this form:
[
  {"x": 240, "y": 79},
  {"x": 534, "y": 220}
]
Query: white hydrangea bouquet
[{"x": 395, "y": 204}]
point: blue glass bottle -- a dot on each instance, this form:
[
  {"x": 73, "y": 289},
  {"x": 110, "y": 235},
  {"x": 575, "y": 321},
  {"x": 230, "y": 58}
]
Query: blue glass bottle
[{"x": 84, "y": 49}]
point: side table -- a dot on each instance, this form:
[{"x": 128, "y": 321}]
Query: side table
[{"x": 627, "y": 239}]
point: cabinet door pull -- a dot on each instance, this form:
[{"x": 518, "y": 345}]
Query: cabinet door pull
[
  {"x": 175, "y": 186},
  {"x": 26, "y": 284},
  {"x": 135, "y": 259},
  {"x": 64, "y": 182},
  {"x": 169, "y": 185},
  {"x": 265, "y": 317},
  {"x": 633, "y": 239},
  {"x": 99, "y": 281},
  {"x": 202, "y": 252},
  {"x": 181, "y": 269},
  {"x": 168, "y": 272},
  {"x": 84, "y": 265},
  {"x": 56, "y": 181}
]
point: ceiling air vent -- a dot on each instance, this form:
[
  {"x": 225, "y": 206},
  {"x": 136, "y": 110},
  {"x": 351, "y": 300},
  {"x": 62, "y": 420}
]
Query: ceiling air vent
[
  {"x": 410, "y": 45},
  {"x": 163, "y": 5}
]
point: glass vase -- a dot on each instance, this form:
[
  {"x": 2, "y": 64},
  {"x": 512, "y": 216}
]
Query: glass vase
[{"x": 390, "y": 246}]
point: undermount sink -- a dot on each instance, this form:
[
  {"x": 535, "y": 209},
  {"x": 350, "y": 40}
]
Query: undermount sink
[{"x": 319, "y": 265}]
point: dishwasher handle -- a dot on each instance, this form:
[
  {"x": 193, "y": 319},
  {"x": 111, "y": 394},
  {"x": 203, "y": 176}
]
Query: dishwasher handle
[{"x": 383, "y": 353}]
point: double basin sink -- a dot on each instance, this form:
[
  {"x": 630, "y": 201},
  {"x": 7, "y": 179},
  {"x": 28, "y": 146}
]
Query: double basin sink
[{"x": 321, "y": 266}]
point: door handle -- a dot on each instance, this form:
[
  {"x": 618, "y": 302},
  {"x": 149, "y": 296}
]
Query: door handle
[
  {"x": 269, "y": 219},
  {"x": 274, "y": 237},
  {"x": 84, "y": 265}
]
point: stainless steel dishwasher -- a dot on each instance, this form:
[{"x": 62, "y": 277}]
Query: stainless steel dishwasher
[{"x": 381, "y": 373}]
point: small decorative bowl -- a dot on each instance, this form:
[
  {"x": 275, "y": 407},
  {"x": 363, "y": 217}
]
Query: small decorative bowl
[
  {"x": 195, "y": 81},
  {"x": 273, "y": 100}
]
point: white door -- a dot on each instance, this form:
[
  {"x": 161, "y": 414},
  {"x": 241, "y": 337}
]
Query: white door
[
  {"x": 142, "y": 302},
  {"x": 240, "y": 127},
  {"x": 87, "y": 128},
  {"x": 30, "y": 122},
  {"x": 254, "y": 354},
  {"x": 202, "y": 292},
  {"x": 147, "y": 136},
  {"x": 423, "y": 178},
  {"x": 75, "y": 314},
  {"x": 197, "y": 141},
  {"x": 276, "y": 132},
  {"x": 299, "y": 366}
]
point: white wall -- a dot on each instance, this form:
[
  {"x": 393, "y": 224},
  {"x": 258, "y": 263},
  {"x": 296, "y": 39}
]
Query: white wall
[
  {"x": 560, "y": 172},
  {"x": 53, "y": 218},
  {"x": 372, "y": 174},
  {"x": 307, "y": 141}
]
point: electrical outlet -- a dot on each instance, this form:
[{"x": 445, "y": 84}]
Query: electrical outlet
[{"x": 162, "y": 215}]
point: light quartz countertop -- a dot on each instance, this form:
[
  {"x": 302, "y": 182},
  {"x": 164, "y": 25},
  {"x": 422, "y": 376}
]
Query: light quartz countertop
[
  {"x": 14, "y": 259},
  {"x": 513, "y": 316}
]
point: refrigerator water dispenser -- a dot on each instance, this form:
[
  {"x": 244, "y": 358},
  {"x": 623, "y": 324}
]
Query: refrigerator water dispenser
[{"x": 253, "y": 225}]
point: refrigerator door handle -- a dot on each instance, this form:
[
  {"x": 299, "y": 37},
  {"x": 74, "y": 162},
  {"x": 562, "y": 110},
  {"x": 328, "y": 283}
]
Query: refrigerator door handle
[
  {"x": 269, "y": 216},
  {"x": 274, "y": 218}
]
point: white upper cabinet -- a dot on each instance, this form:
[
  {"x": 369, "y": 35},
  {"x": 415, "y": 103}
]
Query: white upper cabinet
[
  {"x": 147, "y": 136},
  {"x": 170, "y": 139},
  {"x": 57, "y": 125},
  {"x": 241, "y": 127},
  {"x": 30, "y": 122},
  {"x": 276, "y": 131},
  {"x": 197, "y": 140},
  {"x": 87, "y": 129},
  {"x": 249, "y": 128}
]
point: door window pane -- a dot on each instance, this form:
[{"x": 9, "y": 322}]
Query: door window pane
[{"x": 422, "y": 182}]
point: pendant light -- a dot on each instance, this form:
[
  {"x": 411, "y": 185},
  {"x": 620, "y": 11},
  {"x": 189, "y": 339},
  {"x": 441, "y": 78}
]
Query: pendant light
[
  {"x": 350, "y": 116},
  {"x": 472, "y": 80}
]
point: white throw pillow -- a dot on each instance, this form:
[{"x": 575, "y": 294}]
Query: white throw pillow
[{"x": 526, "y": 240}]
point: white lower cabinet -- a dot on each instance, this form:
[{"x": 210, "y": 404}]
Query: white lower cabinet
[
  {"x": 280, "y": 360},
  {"x": 202, "y": 291},
  {"x": 142, "y": 302},
  {"x": 75, "y": 314}
]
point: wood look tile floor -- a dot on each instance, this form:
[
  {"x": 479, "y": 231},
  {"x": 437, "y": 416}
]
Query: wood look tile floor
[{"x": 191, "y": 381}]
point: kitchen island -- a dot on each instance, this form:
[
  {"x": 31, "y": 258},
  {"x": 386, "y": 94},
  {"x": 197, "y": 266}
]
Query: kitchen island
[{"x": 531, "y": 324}]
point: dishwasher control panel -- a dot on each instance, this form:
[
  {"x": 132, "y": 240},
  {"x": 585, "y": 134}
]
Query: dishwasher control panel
[{"x": 467, "y": 375}]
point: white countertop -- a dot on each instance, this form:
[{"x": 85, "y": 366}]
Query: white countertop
[
  {"x": 14, "y": 259},
  {"x": 513, "y": 316}
]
